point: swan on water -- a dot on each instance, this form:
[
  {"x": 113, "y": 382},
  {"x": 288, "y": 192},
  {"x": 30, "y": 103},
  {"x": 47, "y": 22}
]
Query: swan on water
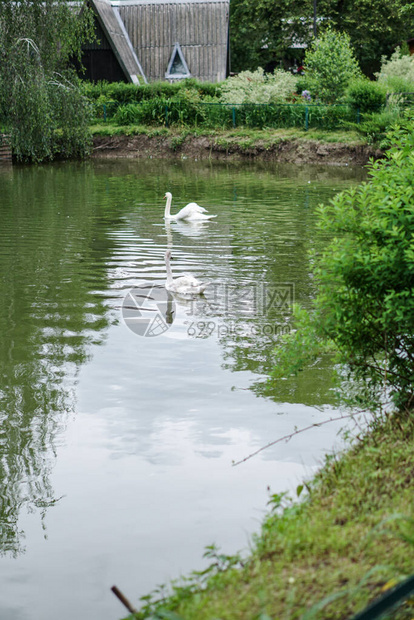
[
  {"x": 183, "y": 285},
  {"x": 190, "y": 212}
]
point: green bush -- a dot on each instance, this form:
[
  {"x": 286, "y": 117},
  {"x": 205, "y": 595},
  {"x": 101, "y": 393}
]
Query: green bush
[
  {"x": 177, "y": 90},
  {"x": 31, "y": 118},
  {"x": 303, "y": 82},
  {"x": 364, "y": 307},
  {"x": 114, "y": 91},
  {"x": 130, "y": 93},
  {"x": 330, "y": 65},
  {"x": 150, "y": 112},
  {"x": 374, "y": 126},
  {"x": 129, "y": 114},
  {"x": 366, "y": 96}
]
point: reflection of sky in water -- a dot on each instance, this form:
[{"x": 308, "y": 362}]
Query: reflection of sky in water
[{"x": 146, "y": 430}]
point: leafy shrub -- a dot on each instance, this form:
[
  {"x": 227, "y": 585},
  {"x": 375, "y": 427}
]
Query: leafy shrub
[
  {"x": 103, "y": 108},
  {"x": 130, "y": 93},
  {"x": 303, "y": 82},
  {"x": 114, "y": 91},
  {"x": 176, "y": 90},
  {"x": 150, "y": 112},
  {"x": 398, "y": 67},
  {"x": 397, "y": 84},
  {"x": 161, "y": 112},
  {"x": 364, "y": 307},
  {"x": 258, "y": 87},
  {"x": 375, "y": 126},
  {"x": 366, "y": 96},
  {"x": 330, "y": 65},
  {"x": 129, "y": 114}
]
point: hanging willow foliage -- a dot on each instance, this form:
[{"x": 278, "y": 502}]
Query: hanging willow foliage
[{"x": 41, "y": 104}]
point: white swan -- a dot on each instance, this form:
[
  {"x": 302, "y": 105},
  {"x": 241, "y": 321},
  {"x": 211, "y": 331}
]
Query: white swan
[
  {"x": 184, "y": 285},
  {"x": 190, "y": 212}
]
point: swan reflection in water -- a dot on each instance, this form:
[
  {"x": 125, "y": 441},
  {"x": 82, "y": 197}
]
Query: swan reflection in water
[
  {"x": 191, "y": 228},
  {"x": 186, "y": 285}
]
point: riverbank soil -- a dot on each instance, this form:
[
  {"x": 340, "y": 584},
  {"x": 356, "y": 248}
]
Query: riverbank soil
[{"x": 265, "y": 145}]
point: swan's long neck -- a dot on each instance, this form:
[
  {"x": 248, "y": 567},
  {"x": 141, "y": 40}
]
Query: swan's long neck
[
  {"x": 167, "y": 213},
  {"x": 169, "y": 272}
]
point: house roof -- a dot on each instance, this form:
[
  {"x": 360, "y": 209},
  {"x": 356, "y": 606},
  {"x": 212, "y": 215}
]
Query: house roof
[
  {"x": 198, "y": 28},
  {"x": 114, "y": 29}
]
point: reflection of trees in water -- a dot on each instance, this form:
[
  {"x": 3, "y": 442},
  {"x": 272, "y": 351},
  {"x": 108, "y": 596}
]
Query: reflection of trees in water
[
  {"x": 54, "y": 224},
  {"x": 263, "y": 233},
  {"x": 268, "y": 270},
  {"x": 52, "y": 260}
]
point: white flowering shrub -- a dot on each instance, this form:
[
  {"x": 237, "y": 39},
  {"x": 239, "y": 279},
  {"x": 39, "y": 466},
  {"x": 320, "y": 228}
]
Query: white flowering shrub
[
  {"x": 398, "y": 66},
  {"x": 258, "y": 87}
]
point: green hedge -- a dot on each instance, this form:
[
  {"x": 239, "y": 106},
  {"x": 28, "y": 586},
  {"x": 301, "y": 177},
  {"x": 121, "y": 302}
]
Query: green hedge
[
  {"x": 215, "y": 115},
  {"x": 191, "y": 103},
  {"x": 124, "y": 93}
]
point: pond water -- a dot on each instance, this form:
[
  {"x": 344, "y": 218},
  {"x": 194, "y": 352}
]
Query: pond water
[{"x": 117, "y": 444}]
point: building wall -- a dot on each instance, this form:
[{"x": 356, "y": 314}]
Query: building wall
[
  {"x": 98, "y": 60},
  {"x": 200, "y": 27}
]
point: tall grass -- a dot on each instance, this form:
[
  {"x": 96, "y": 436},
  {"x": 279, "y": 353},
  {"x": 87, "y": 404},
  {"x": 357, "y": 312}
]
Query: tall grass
[{"x": 215, "y": 115}]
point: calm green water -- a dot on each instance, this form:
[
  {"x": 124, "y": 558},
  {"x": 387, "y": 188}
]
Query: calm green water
[{"x": 115, "y": 448}]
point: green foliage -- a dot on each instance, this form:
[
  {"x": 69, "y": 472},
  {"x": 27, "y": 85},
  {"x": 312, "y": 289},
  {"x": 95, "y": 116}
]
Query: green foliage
[
  {"x": 120, "y": 92},
  {"x": 160, "y": 112},
  {"x": 366, "y": 96},
  {"x": 258, "y": 87},
  {"x": 374, "y": 127},
  {"x": 374, "y": 27},
  {"x": 262, "y": 32},
  {"x": 303, "y": 82},
  {"x": 194, "y": 114},
  {"x": 123, "y": 93},
  {"x": 399, "y": 66},
  {"x": 42, "y": 107},
  {"x": 129, "y": 114},
  {"x": 160, "y": 603},
  {"x": 30, "y": 114},
  {"x": 71, "y": 116},
  {"x": 365, "y": 302},
  {"x": 331, "y": 65},
  {"x": 398, "y": 84}
]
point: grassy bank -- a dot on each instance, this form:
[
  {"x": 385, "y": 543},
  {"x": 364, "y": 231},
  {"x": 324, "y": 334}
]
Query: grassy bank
[
  {"x": 345, "y": 537},
  {"x": 287, "y": 145},
  {"x": 268, "y": 135}
]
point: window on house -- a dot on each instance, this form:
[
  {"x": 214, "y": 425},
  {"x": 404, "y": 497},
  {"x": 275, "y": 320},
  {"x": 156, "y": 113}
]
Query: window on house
[{"x": 177, "y": 67}]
